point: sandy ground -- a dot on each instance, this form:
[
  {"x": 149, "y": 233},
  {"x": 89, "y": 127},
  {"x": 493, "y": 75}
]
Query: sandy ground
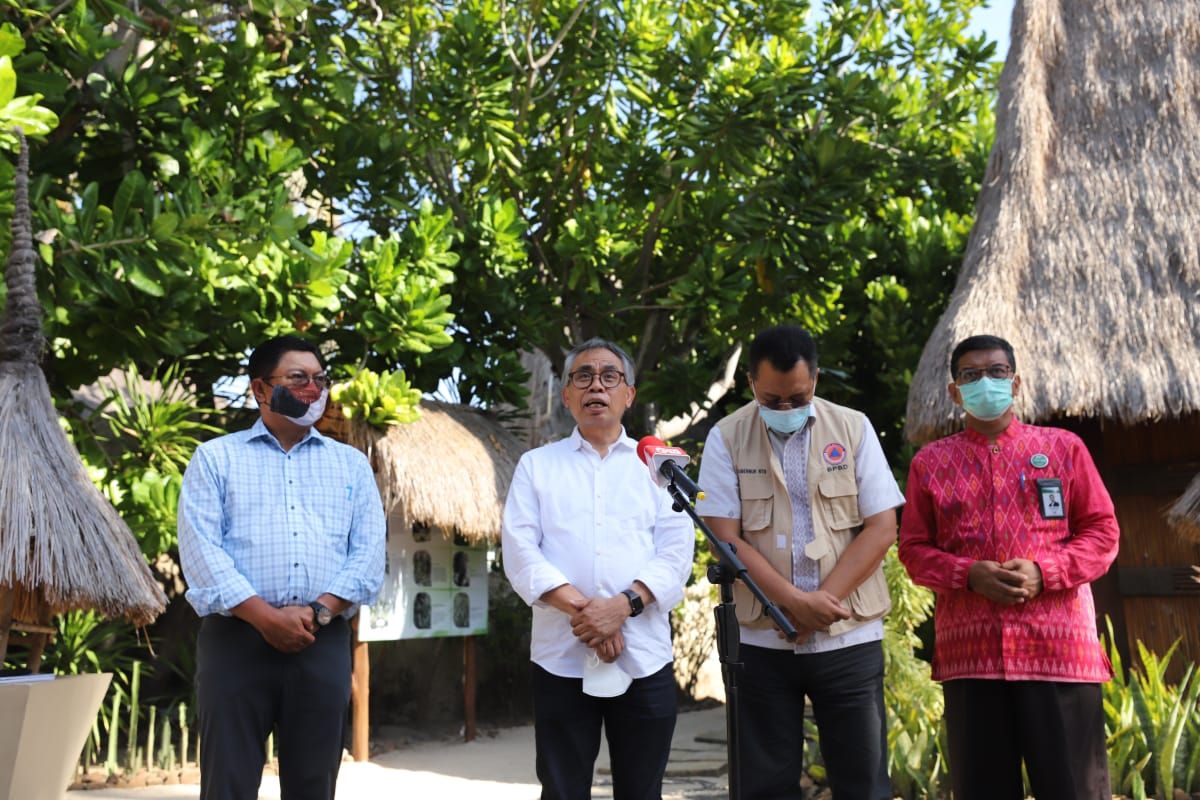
[{"x": 496, "y": 766}]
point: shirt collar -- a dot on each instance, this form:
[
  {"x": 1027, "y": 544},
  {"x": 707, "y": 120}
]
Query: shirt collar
[
  {"x": 577, "y": 441},
  {"x": 1008, "y": 434},
  {"x": 259, "y": 430}
]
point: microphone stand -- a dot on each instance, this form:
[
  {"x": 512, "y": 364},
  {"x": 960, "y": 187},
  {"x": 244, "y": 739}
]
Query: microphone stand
[{"x": 723, "y": 573}]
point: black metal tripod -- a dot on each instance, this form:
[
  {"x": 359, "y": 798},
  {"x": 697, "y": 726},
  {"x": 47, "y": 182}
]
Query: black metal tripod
[{"x": 723, "y": 573}]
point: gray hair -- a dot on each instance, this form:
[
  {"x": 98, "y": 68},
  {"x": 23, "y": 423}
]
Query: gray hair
[{"x": 596, "y": 343}]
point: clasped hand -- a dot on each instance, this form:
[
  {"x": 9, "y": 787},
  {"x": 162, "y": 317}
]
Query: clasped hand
[
  {"x": 597, "y": 623},
  {"x": 812, "y": 611},
  {"x": 289, "y": 629},
  {"x": 1008, "y": 584}
]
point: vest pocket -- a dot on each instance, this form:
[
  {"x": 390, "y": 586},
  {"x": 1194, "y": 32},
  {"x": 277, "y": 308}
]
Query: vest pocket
[
  {"x": 756, "y": 514},
  {"x": 871, "y": 600},
  {"x": 840, "y": 498}
]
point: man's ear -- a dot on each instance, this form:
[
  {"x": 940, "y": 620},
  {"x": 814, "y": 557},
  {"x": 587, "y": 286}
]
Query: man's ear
[
  {"x": 1016, "y": 384},
  {"x": 955, "y": 394},
  {"x": 632, "y": 394}
]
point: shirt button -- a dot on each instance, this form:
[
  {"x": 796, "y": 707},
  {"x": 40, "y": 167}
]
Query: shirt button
[
  {"x": 296, "y": 564},
  {"x": 295, "y": 597},
  {"x": 295, "y": 533}
]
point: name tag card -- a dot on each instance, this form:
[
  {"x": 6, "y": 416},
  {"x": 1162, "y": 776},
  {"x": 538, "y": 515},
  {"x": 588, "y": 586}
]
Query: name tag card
[{"x": 1051, "y": 497}]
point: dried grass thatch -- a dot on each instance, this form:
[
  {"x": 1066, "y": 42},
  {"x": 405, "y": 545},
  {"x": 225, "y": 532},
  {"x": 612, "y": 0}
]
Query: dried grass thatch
[
  {"x": 1184, "y": 513},
  {"x": 62, "y": 545},
  {"x": 1086, "y": 248},
  {"x": 450, "y": 469}
]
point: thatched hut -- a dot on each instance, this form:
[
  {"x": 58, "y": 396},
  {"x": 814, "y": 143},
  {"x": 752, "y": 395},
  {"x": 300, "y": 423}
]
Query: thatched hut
[
  {"x": 62, "y": 545},
  {"x": 450, "y": 469},
  {"x": 447, "y": 473},
  {"x": 1086, "y": 256}
]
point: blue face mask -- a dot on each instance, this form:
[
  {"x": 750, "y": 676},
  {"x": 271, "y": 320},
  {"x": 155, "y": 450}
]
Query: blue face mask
[
  {"x": 987, "y": 398},
  {"x": 784, "y": 422}
]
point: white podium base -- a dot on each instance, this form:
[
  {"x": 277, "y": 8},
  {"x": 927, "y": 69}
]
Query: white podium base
[{"x": 43, "y": 726}]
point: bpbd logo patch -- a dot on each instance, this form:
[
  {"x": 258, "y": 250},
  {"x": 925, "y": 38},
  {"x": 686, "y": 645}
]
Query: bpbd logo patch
[{"x": 834, "y": 454}]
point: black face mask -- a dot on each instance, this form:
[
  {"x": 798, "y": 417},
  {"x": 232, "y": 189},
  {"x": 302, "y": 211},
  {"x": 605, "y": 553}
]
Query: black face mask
[{"x": 286, "y": 403}]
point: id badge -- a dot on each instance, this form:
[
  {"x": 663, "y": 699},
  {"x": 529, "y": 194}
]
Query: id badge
[{"x": 1051, "y": 498}]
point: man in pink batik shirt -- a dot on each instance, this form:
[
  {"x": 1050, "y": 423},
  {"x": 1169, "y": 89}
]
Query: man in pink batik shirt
[{"x": 1009, "y": 523}]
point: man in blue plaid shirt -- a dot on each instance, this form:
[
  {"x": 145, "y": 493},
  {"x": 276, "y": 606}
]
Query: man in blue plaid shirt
[{"x": 281, "y": 534}]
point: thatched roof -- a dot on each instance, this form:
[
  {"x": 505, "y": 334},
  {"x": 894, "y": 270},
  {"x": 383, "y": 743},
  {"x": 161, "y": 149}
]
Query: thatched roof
[
  {"x": 1184, "y": 513},
  {"x": 1086, "y": 248},
  {"x": 62, "y": 545},
  {"x": 450, "y": 469}
]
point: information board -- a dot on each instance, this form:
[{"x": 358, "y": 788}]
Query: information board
[{"x": 434, "y": 585}]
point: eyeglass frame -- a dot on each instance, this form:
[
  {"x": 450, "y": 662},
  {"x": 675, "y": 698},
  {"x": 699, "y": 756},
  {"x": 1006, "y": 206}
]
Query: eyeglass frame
[
  {"x": 593, "y": 376},
  {"x": 1002, "y": 372},
  {"x": 321, "y": 379}
]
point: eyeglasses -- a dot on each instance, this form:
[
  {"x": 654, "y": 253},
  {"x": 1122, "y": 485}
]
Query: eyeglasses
[
  {"x": 609, "y": 378},
  {"x": 786, "y": 405},
  {"x": 781, "y": 403},
  {"x": 997, "y": 371},
  {"x": 298, "y": 380}
]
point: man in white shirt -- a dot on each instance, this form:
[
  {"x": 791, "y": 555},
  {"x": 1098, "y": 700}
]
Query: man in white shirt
[
  {"x": 803, "y": 488},
  {"x": 594, "y": 547}
]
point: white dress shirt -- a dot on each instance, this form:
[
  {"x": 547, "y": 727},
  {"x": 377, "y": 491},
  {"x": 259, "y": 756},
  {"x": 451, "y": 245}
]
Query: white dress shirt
[
  {"x": 877, "y": 491},
  {"x": 598, "y": 524}
]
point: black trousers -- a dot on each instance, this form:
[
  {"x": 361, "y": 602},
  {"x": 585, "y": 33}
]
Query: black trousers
[
  {"x": 638, "y": 725},
  {"x": 245, "y": 689},
  {"x": 846, "y": 690},
  {"x": 1056, "y": 728}
]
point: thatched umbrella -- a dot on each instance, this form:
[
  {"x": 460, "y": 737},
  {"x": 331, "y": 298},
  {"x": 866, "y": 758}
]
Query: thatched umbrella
[
  {"x": 1086, "y": 248},
  {"x": 62, "y": 545},
  {"x": 1086, "y": 256},
  {"x": 450, "y": 469}
]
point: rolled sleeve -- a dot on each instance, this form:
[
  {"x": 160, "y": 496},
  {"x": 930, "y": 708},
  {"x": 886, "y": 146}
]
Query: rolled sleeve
[
  {"x": 526, "y": 568},
  {"x": 667, "y": 572},
  {"x": 214, "y": 584},
  {"x": 361, "y": 575}
]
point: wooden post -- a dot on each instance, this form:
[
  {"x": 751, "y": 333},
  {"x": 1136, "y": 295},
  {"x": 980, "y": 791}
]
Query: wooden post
[
  {"x": 469, "y": 688},
  {"x": 6, "y": 609},
  {"x": 360, "y": 690},
  {"x": 39, "y": 639}
]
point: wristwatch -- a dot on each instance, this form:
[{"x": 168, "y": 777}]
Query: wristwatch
[
  {"x": 322, "y": 616},
  {"x": 636, "y": 606}
]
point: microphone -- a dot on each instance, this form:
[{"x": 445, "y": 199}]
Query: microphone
[{"x": 666, "y": 465}]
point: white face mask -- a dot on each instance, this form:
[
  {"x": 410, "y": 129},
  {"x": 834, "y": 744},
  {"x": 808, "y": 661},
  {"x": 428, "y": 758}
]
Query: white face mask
[
  {"x": 603, "y": 679},
  {"x": 283, "y": 401}
]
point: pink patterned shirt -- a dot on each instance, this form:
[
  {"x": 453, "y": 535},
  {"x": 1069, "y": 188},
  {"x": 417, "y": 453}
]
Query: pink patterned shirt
[{"x": 969, "y": 501}]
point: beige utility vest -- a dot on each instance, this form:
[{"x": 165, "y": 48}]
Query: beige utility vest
[{"x": 835, "y": 435}]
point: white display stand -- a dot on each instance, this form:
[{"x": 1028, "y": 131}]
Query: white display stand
[{"x": 43, "y": 726}]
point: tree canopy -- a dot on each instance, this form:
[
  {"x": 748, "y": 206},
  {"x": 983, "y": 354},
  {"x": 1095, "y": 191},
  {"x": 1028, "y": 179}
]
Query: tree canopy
[{"x": 440, "y": 186}]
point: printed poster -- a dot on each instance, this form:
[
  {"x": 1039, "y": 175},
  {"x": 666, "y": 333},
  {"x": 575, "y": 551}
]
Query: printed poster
[{"x": 434, "y": 584}]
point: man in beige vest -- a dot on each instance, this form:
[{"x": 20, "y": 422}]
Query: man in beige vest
[{"x": 802, "y": 487}]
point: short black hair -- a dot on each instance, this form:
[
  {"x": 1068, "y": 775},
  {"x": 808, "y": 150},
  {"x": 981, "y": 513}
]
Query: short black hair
[
  {"x": 267, "y": 355},
  {"x": 784, "y": 346},
  {"x": 981, "y": 342}
]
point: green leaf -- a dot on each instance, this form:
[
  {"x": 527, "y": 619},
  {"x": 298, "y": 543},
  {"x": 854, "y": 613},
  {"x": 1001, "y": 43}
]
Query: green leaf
[
  {"x": 11, "y": 41},
  {"x": 8, "y": 81},
  {"x": 143, "y": 282},
  {"x": 164, "y": 225}
]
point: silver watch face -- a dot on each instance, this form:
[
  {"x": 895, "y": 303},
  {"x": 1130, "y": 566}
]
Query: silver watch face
[{"x": 324, "y": 616}]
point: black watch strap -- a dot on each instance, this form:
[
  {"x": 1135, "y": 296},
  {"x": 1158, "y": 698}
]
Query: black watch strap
[{"x": 636, "y": 606}]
